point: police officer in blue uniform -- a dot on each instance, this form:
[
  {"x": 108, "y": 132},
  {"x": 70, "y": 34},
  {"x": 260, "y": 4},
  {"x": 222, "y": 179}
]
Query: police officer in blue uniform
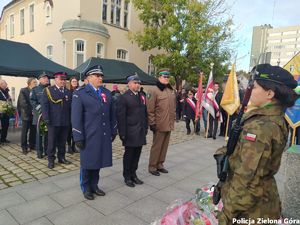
[
  {"x": 36, "y": 101},
  {"x": 132, "y": 127},
  {"x": 56, "y": 110},
  {"x": 94, "y": 128}
]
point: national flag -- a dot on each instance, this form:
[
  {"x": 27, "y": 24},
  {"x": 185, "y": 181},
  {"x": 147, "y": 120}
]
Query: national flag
[
  {"x": 199, "y": 98},
  {"x": 208, "y": 100},
  {"x": 231, "y": 100},
  {"x": 293, "y": 66}
]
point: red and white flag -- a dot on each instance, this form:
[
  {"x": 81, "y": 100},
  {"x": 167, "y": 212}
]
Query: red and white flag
[
  {"x": 199, "y": 98},
  {"x": 208, "y": 98}
]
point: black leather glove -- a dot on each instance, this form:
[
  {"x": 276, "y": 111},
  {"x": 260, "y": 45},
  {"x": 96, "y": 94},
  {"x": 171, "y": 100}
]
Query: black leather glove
[
  {"x": 153, "y": 128},
  {"x": 113, "y": 137},
  {"x": 122, "y": 138},
  {"x": 79, "y": 144},
  {"x": 220, "y": 162}
]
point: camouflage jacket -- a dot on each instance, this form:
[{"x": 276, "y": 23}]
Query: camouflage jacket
[{"x": 250, "y": 190}]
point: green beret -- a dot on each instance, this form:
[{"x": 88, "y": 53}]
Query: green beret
[{"x": 274, "y": 74}]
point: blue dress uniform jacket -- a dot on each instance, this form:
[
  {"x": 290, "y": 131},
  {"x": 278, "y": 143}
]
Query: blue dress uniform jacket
[
  {"x": 56, "y": 106},
  {"x": 36, "y": 100},
  {"x": 94, "y": 123},
  {"x": 132, "y": 119}
]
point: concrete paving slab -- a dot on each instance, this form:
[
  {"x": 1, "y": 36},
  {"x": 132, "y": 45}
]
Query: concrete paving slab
[
  {"x": 40, "y": 221},
  {"x": 68, "y": 182},
  {"x": 10, "y": 199},
  {"x": 6, "y": 218},
  {"x": 147, "y": 209},
  {"x": 37, "y": 191},
  {"x": 76, "y": 215},
  {"x": 159, "y": 182},
  {"x": 110, "y": 203},
  {"x": 32, "y": 210},
  {"x": 123, "y": 217},
  {"x": 170, "y": 194},
  {"x": 68, "y": 197},
  {"x": 138, "y": 192}
]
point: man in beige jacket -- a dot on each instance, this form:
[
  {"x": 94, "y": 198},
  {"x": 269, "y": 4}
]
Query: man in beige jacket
[{"x": 161, "y": 108}]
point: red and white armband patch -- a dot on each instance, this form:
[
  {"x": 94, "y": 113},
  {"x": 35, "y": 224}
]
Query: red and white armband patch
[{"x": 250, "y": 137}]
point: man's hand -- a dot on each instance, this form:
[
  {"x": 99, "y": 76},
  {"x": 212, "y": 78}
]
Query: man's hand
[
  {"x": 153, "y": 128},
  {"x": 79, "y": 144}
]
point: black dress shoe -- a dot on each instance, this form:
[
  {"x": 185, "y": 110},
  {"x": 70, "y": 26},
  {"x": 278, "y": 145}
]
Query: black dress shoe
[
  {"x": 163, "y": 170},
  {"x": 214, "y": 137},
  {"x": 99, "y": 192},
  {"x": 155, "y": 173},
  {"x": 24, "y": 151},
  {"x": 129, "y": 183},
  {"x": 50, "y": 165},
  {"x": 137, "y": 180},
  {"x": 88, "y": 195},
  {"x": 209, "y": 136},
  {"x": 64, "y": 161},
  {"x": 6, "y": 141}
]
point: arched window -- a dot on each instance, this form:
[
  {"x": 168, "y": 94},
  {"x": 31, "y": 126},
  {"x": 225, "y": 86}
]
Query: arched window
[
  {"x": 122, "y": 54},
  {"x": 48, "y": 12},
  {"x": 49, "y": 52},
  {"x": 99, "y": 50},
  {"x": 79, "y": 52}
]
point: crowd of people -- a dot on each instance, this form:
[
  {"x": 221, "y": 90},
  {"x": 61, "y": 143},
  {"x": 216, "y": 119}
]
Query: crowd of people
[{"x": 89, "y": 117}]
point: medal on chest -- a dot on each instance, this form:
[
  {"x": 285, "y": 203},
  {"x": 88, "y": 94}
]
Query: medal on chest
[
  {"x": 104, "y": 97},
  {"x": 143, "y": 99}
]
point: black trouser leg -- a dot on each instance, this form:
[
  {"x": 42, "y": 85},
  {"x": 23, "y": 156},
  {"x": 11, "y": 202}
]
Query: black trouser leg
[
  {"x": 94, "y": 179},
  {"x": 61, "y": 141},
  {"x": 4, "y": 125},
  {"x": 210, "y": 129},
  {"x": 52, "y": 134},
  {"x": 187, "y": 125},
  {"x": 135, "y": 160},
  {"x": 24, "y": 131},
  {"x": 127, "y": 160},
  {"x": 32, "y": 135},
  {"x": 215, "y": 124}
]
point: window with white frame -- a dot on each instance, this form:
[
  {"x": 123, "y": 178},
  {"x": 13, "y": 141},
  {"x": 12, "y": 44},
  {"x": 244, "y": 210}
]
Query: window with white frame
[
  {"x": 48, "y": 13},
  {"x": 12, "y": 25},
  {"x": 115, "y": 15},
  {"x": 22, "y": 21},
  {"x": 122, "y": 54},
  {"x": 99, "y": 50},
  {"x": 104, "y": 11},
  {"x": 49, "y": 52},
  {"x": 79, "y": 52},
  {"x": 31, "y": 18},
  {"x": 125, "y": 22}
]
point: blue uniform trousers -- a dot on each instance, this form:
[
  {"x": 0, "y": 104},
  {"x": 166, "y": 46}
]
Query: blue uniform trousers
[
  {"x": 57, "y": 137},
  {"x": 89, "y": 180}
]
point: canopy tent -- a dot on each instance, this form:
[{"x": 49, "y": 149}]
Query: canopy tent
[
  {"x": 115, "y": 71},
  {"x": 20, "y": 59}
]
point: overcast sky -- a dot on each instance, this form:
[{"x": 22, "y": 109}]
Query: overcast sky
[{"x": 249, "y": 13}]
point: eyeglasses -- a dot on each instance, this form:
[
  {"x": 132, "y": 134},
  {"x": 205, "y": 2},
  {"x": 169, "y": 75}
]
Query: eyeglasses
[
  {"x": 166, "y": 77},
  {"x": 98, "y": 75}
]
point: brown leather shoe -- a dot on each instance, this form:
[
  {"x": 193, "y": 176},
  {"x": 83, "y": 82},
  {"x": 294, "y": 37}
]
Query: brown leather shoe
[{"x": 155, "y": 173}]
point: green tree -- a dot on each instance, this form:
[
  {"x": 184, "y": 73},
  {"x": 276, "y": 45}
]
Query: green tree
[{"x": 189, "y": 33}]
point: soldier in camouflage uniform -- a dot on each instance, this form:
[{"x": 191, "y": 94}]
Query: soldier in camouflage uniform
[{"x": 250, "y": 191}]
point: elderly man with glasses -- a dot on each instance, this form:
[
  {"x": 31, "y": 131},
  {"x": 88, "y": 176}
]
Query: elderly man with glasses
[
  {"x": 161, "y": 108},
  {"x": 94, "y": 129}
]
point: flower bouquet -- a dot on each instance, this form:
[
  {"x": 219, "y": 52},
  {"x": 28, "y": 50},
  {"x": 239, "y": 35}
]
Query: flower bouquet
[
  {"x": 198, "y": 211},
  {"x": 7, "y": 108},
  {"x": 43, "y": 127}
]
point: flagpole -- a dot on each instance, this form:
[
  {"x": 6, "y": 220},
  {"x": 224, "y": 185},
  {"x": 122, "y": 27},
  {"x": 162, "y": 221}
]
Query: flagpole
[
  {"x": 207, "y": 125},
  {"x": 227, "y": 124},
  {"x": 293, "y": 136}
]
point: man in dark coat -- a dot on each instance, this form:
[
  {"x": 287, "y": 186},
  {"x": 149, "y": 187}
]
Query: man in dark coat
[
  {"x": 132, "y": 127},
  {"x": 213, "y": 122},
  {"x": 4, "y": 96},
  {"x": 94, "y": 128},
  {"x": 56, "y": 110},
  {"x": 25, "y": 111},
  {"x": 36, "y": 101}
]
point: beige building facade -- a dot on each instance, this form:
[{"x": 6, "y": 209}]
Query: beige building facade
[
  {"x": 70, "y": 31},
  {"x": 274, "y": 45}
]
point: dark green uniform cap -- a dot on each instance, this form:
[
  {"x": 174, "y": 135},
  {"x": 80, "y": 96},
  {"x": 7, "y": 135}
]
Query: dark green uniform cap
[{"x": 274, "y": 74}]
